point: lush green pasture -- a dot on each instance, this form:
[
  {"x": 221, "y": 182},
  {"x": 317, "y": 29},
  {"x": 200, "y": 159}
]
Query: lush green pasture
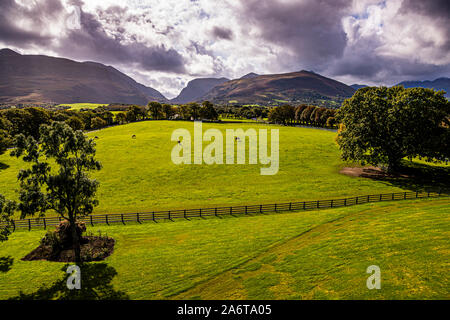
[
  {"x": 138, "y": 174},
  {"x": 306, "y": 255},
  {"x": 78, "y": 106}
]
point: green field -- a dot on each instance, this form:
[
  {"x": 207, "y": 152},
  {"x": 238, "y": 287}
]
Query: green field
[
  {"x": 138, "y": 174},
  {"x": 307, "y": 255},
  {"x": 78, "y": 106}
]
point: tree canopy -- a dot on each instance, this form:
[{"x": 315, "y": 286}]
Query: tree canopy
[
  {"x": 66, "y": 188},
  {"x": 381, "y": 125}
]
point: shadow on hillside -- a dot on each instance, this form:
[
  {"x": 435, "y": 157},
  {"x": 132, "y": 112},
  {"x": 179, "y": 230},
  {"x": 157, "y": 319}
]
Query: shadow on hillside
[
  {"x": 95, "y": 285},
  {"x": 6, "y": 263},
  {"x": 416, "y": 177}
]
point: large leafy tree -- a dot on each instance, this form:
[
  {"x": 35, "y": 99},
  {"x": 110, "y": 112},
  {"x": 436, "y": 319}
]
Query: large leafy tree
[
  {"x": 155, "y": 109},
  {"x": 381, "y": 125},
  {"x": 7, "y": 208},
  {"x": 58, "y": 176}
]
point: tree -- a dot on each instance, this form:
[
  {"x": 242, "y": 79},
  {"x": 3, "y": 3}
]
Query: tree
[
  {"x": 194, "y": 110},
  {"x": 121, "y": 117},
  {"x": 98, "y": 123},
  {"x": 168, "y": 111},
  {"x": 5, "y": 127},
  {"x": 384, "y": 125},
  {"x": 7, "y": 208},
  {"x": 155, "y": 110},
  {"x": 66, "y": 189},
  {"x": 75, "y": 123},
  {"x": 207, "y": 111}
]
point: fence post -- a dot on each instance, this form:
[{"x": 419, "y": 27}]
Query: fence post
[
  {"x": 45, "y": 225},
  {"x": 260, "y": 208},
  {"x": 404, "y": 196},
  {"x": 169, "y": 215},
  {"x": 368, "y": 198},
  {"x": 29, "y": 224},
  {"x": 304, "y": 205},
  {"x": 357, "y": 200},
  {"x": 392, "y": 196},
  {"x": 14, "y": 225},
  {"x": 332, "y": 203},
  {"x": 290, "y": 206},
  {"x": 245, "y": 209},
  {"x": 137, "y": 217},
  {"x": 215, "y": 211},
  {"x": 106, "y": 219},
  {"x": 345, "y": 202},
  {"x": 381, "y": 197},
  {"x": 428, "y": 194},
  {"x": 121, "y": 216},
  {"x": 153, "y": 216},
  {"x": 92, "y": 224},
  {"x": 417, "y": 194},
  {"x": 275, "y": 207},
  {"x": 439, "y": 193}
]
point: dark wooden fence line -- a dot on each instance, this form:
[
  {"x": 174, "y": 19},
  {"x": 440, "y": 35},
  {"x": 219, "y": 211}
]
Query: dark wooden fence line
[{"x": 140, "y": 217}]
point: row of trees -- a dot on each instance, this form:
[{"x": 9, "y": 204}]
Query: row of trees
[
  {"x": 303, "y": 114},
  {"x": 158, "y": 111}
]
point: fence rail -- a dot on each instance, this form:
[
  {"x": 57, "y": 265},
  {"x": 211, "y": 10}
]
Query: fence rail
[{"x": 140, "y": 217}]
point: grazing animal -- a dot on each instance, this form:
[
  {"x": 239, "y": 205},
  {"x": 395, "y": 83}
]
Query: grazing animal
[
  {"x": 133, "y": 136},
  {"x": 95, "y": 137}
]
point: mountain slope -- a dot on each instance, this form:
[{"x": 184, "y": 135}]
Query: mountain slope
[
  {"x": 358, "y": 86},
  {"x": 303, "y": 86},
  {"x": 196, "y": 88},
  {"x": 438, "y": 84},
  {"x": 36, "y": 78},
  {"x": 249, "y": 75}
]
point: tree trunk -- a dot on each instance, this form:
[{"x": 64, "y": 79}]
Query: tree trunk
[
  {"x": 393, "y": 165},
  {"x": 76, "y": 241}
]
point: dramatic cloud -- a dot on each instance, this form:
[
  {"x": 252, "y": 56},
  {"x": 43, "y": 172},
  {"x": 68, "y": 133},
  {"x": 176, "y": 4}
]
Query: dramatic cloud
[
  {"x": 223, "y": 33},
  {"x": 164, "y": 44}
]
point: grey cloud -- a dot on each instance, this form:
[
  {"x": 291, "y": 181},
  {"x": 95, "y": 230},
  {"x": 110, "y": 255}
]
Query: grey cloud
[
  {"x": 311, "y": 29},
  {"x": 92, "y": 42},
  {"x": 10, "y": 12},
  {"x": 222, "y": 33}
]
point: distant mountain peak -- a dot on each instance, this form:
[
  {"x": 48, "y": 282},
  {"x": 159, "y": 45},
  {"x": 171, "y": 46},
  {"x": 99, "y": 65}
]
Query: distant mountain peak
[
  {"x": 196, "y": 88},
  {"x": 249, "y": 75},
  {"x": 8, "y": 53}
]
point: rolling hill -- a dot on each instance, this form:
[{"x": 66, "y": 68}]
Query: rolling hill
[
  {"x": 38, "y": 78},
  {"x": 297, "y": 87},
  {"x": 438, "y": 84},
  {"x": 197, "y": 88}
]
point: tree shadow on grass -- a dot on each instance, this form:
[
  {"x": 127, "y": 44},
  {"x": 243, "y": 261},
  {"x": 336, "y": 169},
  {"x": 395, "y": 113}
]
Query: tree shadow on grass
[
  {"x": 415, "y": 177},
  {"x": 95, "y": 285},
  {"x": 6, "y": 263},
  {"x": 3, "y": 166}
]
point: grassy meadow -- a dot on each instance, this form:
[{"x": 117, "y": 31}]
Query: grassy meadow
[
  {"x": 138, "y": 174},
  {"x": 79, "y": 106},
  {"x": 320, "y": 254}
]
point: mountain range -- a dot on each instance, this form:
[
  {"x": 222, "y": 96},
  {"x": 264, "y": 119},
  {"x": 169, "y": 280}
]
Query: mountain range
[
  {"x": 45, "y": 79},
  {"x": 37, "y": 78},
  {"x": 438, "y": 84},
  {"x": 303, "y": 86}
]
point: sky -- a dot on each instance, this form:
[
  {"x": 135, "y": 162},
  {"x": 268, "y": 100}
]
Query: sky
[{"x": 165, "y": 44}]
